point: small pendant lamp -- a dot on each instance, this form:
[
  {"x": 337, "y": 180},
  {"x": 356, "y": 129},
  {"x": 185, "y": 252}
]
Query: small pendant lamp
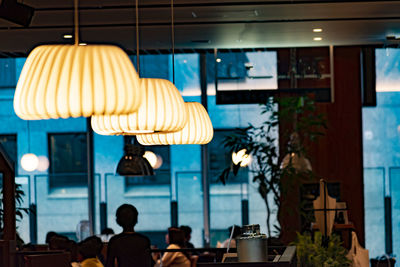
[
  {"x": 162, "y": 109},
  {"x": 61, "y": 81},
  {"x": 198, "y": 130}
]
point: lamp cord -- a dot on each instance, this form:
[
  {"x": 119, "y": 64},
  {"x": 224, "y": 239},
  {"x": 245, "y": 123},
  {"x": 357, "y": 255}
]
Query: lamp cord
[
  {"x": 76, "y": 21},
  {"x": 173, "y": 41},
  {"x": 29, "y": 135},
  {"x": 137, "y": 37}
]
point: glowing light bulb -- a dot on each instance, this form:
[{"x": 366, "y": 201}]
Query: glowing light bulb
[
  {"x": 29, "y": 162},
  {"x": 154, "y": 160},
  {"x": 241, "y": 158}
]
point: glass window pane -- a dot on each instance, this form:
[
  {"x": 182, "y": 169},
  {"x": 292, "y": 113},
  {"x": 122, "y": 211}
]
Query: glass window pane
[{"x": 374, "y": 211}]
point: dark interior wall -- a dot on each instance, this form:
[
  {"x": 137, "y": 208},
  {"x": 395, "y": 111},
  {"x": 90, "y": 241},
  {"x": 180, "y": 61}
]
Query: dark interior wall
[{"x": 337, "y": 157}]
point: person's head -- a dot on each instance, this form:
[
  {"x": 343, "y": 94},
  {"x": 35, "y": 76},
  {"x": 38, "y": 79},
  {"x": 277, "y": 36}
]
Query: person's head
[
  {"x": 127, "y": 216},
  {"x": 176, "y": 236},
  {"x": 49, "y": 235},
  {"x": 59, "y": 242},
  {"x": 90, "y": 247},
  {"x": 187, "y": 232},
  {"x": 236, "y": 231},
  {"x": 107, "y": 231}
]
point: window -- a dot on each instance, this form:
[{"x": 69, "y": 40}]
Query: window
[
  {"x": 7, "y": 73},
  {"x": 9, "y": 143},
  {"x": 68, "y": 163},
  {"x": 220, "y": 157}
]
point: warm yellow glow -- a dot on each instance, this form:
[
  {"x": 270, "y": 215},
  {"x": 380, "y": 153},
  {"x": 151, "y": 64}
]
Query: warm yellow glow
[
  {"x": 198, "y": 130},
  {"x": 317, "y": 38},
  {"x": 317, "y": 30},
  {"x": 154, "y": 160},
  {"x": 241, "y": 158},
  {"x": 162, "y": 110},
  {"x": 68, "y": 36},
  {"x": 29, "y": 162},
  {"x": 218, "y": 60},
  {"x": 73, "y": 81}
]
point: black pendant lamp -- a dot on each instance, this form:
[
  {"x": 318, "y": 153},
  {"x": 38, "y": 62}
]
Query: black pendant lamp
[{"x": 133, "y": 163}]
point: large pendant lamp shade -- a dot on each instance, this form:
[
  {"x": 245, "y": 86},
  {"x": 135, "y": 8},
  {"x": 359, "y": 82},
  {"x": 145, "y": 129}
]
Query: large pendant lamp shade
[
  {"x": 162, "y": 110},
  {"x": 61, "y": 81},
  {"x": 198, "y": 130}
]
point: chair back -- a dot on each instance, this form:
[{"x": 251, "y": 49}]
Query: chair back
[{"x": 48, "y": 260}]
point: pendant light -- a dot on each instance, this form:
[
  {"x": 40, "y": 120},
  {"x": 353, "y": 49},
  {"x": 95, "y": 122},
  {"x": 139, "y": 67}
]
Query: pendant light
[
  {"x": 198, "y": 130},
  {"x": 162, "y": 109},
  {"x": 133, "y": 162},
  {"x": 61, "y": 81}
]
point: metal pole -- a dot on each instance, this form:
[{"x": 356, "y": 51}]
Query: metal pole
[
  {"x": 204, "y": 155},
  {"x": 90, "y": 176}
]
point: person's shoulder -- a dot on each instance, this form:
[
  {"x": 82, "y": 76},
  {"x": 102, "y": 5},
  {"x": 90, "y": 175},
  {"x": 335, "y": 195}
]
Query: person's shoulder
[{"x": 173, "y": 246}]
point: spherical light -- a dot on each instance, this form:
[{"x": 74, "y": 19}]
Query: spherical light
[
  {"x": 73, "y": 81},
  {"x": 162, "y": 110},
  {"x": 29, "y": 162},
  {"x": 198, "y": 130},
  {"x": 43, "y": 163},
  {"x": 241, "y": 157}
]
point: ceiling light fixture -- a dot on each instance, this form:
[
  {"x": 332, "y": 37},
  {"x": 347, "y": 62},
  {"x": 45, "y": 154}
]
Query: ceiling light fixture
[
  {"x": 162, "y": 110},
  {"x": 198, "y": 130},
  {"x": 133, "y": 162},
  {"x": 68, "y": 36},
  {"x": 73, "y": 81},
  {"x": 317, "y": 38},
  {"x": 317, "y": 30}
]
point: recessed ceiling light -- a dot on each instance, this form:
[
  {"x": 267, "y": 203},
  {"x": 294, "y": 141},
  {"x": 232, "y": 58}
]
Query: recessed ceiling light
[
  {"x": 67, "y": 36},
  {"x": 317, "y": 38},
  {"x": 82, "y": 43},
  {"x": 317, "y": 30},
  {"x": 218, "y": 60}
]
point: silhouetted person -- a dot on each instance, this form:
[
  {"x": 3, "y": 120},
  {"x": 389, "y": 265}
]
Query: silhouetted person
[
  {"x": 187, "y": 231},
  {"x": 89, "y": 249},
  {"x": 49, "y": 235},
  {"x": 107, "y": 231},
  {"x": 129, "y": 249}
]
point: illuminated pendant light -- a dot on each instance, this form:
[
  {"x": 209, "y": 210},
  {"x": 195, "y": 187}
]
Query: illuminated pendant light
[
  {"x": 162, "y": 109},
  {"x": 198, "y": 130},
  {"x": 75, "y": 80}
]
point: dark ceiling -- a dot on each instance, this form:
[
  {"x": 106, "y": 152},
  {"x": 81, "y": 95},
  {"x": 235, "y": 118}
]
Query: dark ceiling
[{"x": 207, "y": 23}]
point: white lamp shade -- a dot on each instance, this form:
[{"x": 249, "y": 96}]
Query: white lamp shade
[
  {"x": 73, "y": 81},
  {"x": 198, "y": 130},
  {"x": 162, "y": 110}
]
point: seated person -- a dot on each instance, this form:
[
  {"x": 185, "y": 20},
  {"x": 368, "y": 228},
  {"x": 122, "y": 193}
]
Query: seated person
[
  {"x": 236, "y": 232},
  {"x": 187, "y": 230},
  {"x": 176, "y": 240},
  {"x": 89, "y": 249},
  {"x": 128, "y": 249}
]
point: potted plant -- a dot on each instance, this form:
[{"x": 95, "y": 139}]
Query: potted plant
[{"x": 311, "y": 252}]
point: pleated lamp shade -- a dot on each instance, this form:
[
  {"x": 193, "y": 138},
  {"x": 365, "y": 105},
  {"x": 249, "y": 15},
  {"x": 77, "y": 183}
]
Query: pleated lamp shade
[
  {"x": 162, "y": 110},
  {"x": 198, "y": 130},
  {"x": 61, "y": 81}
]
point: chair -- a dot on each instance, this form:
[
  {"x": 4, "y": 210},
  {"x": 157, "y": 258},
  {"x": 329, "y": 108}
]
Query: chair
[
  {"x": 193, "y": 260},
  {"x": 48, "y": 260}
]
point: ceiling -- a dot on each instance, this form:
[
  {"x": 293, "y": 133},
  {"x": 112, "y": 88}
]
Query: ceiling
[{"x": 206, "y": 23}]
